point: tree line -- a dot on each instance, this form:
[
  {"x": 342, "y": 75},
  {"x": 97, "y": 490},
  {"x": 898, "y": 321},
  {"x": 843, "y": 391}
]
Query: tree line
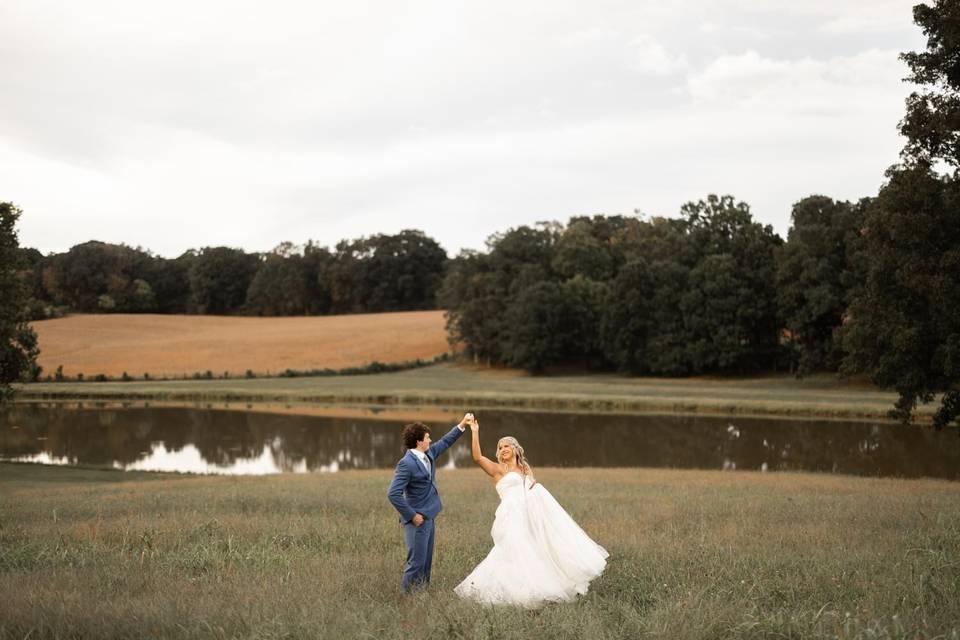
[
  {"x": 384, "y": 272},
  {"x": 711, "y": 291}
]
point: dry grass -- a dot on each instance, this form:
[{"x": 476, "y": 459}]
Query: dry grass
[
  {"x": 694, "y": 554},
  {"x": 176, "y": 346}
]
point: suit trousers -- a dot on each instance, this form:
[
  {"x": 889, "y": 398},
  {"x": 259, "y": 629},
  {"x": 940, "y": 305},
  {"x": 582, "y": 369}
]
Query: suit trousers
[{"x": 419, "y": 541}]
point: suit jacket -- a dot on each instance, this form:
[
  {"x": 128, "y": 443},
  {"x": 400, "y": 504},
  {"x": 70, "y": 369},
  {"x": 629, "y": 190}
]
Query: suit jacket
[{"x": 413, "y": 490}]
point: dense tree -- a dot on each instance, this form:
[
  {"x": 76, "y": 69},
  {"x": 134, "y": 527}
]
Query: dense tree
[
  {"x": 30, "y": 271},
  {"x": 675, "y": 297},
  {"x": 170, "y": 282},
  {"x": 474, "y": 295},
  {"x": 627, "y": 321},
  {"x": 728, "y": 301},
  {"x": 814, "y": 279},
  {"x": 590, "y": 247},
  {"x": 282, "y": 285},
  {"x": 932, "y": 120},
  {"x": 666, "y": 347},
  {"x": 550, "y": 323},
  {"x": 219, "y": 279},
  {"x": 643, "y": 328},
  {"x": 18, "y": 342},
  {"x": 537, "y": 326},
  {"x": 720, "y": 312},
  {"x": 904, "y": 330},
  {"x": 653, "y": 239},
  {"x": 382, "y": 273},
  {"x": 318, "y": 262},
  {"x": 400, "y": 272},
  {"x": 584, "y": 300},
  {"x": 479, "y": 290},
  {"x": 101, "y": 277}
]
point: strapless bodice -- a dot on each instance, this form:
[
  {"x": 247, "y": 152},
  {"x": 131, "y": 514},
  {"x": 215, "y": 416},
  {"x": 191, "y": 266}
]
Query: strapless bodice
[{"x": 512, "y": 484}]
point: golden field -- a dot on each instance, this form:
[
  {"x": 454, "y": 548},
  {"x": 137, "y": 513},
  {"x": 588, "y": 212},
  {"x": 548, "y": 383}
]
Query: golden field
[{"x": 180, "y": 345}]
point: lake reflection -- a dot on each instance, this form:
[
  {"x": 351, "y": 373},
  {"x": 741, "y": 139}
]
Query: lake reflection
[{"x": 208, "y": 440}]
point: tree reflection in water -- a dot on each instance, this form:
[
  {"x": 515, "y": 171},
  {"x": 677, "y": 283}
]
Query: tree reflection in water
[{"x": 217, "y": 440}]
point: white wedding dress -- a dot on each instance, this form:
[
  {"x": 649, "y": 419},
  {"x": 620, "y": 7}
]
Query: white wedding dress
[{"x": 539, "y": 553}]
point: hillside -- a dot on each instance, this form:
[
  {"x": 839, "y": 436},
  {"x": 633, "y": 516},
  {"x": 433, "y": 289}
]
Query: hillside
[{"x": 179, "y": 345}]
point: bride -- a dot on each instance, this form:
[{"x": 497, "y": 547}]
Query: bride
[{"x": 539, "y": 553}]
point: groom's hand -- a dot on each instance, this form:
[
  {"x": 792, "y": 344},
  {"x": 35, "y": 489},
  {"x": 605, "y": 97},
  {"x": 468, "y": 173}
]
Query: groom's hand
[
  {"x": 417, "y": 520},
  {"x": 466, "y": 421}
]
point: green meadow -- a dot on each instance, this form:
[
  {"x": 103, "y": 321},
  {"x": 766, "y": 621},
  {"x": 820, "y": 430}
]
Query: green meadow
[
  {"x": 89, "y": 553},
  {"x": 448, "y": 384}
]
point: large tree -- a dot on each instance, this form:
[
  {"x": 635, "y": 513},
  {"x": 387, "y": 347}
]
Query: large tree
[
  {"x": 219, "y": 279},
  {"x": 170, "y": 282},
  {"x": 318, "y": 262},
  {"x": 399, "y": 272},
  {"x": 904, "y": 330},
  {"x": 18, "y": 342},
  {"x": 101, "y": 277},
  {"x": 729, "y": 304},
  {"x": 480, "y": 289},
  {"x": 282, "y": 285},
  {"x": 591, "y": 247},
  {"x": 551, "y": 323},
  {"x": 814, "y": 278},
  {"x": 628, "y": 318}
]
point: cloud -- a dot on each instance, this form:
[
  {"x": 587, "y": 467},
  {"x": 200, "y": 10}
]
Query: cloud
[
  {"x": 649, "y": 56},
  {"x": 869, "y": 23},
  {"x": 842, "y": 84},
  {"x": 236, "y": 123}
]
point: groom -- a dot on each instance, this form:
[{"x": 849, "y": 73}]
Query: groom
[{"x": 413, "y": 493}]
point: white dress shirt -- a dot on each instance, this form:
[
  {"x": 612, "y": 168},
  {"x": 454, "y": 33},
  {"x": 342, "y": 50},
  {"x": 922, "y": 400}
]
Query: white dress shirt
[{"x": 422, "y": 457}]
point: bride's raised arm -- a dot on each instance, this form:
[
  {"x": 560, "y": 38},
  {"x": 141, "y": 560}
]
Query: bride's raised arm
[{"x": 491, "y": 468}]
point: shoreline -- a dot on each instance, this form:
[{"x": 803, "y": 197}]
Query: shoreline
[
  {"x": 407, "y": 406},
  {"x": 457, "y": 386}
]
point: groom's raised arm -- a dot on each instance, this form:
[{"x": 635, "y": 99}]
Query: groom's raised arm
[
  {"x": 395, "y": 493},
  {"x": 446, "y": 441}
]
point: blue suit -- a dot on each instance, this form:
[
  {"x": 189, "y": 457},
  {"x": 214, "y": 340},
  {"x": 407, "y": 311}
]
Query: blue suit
[{"x": 414, "y": 491}]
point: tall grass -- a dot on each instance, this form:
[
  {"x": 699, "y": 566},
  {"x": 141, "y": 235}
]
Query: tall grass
[{"x": 99, "y": 554}]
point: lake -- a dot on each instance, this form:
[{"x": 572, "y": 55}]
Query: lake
[{"x": 248, "y": 439}]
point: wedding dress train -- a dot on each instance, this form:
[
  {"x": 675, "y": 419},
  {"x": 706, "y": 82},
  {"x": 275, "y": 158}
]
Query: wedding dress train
[{"x": 539, "y": 553}]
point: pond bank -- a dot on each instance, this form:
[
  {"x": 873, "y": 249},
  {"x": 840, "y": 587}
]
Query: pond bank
[{"x": 454, "y": 385}]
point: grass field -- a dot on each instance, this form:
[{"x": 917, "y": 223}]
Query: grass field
[
  {"x": 457, "y": 385},
  {"x": 104, "y": 554},
  {"x": 179, "y": 346}
]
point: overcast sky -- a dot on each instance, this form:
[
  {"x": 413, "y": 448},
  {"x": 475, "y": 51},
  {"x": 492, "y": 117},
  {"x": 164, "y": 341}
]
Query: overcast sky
[{"x": 175, "y": 125}]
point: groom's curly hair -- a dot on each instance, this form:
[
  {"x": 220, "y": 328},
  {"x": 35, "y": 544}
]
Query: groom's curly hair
[{"x": 414, "y": 433}]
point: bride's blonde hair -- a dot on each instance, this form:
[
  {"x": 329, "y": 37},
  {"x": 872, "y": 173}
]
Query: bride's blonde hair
[{"x": 519, "y": 455}]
